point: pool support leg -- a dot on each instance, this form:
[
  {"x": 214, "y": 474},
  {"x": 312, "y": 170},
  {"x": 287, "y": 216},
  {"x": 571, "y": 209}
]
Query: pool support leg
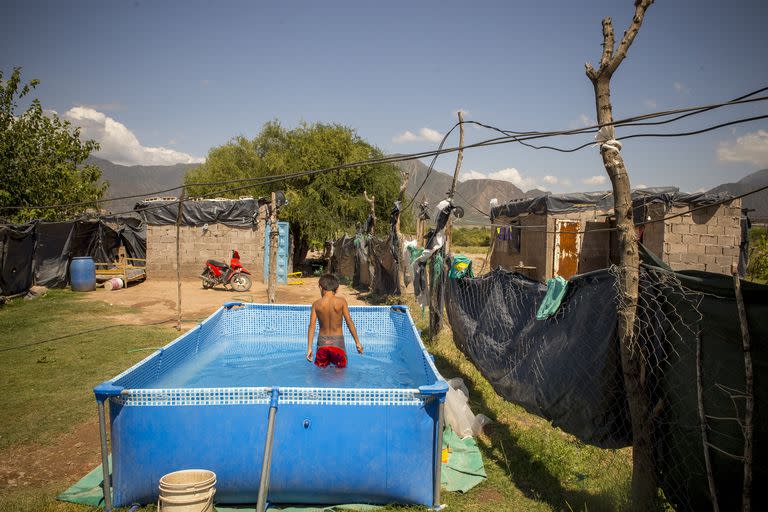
[
  {"x": 106, "y": 485},
  {"x": 438, "y": 458},
  {"x": 261, "y": 502}
]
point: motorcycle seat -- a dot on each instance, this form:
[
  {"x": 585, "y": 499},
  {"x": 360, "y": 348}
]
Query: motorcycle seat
[{"x": 217, "y": 263}]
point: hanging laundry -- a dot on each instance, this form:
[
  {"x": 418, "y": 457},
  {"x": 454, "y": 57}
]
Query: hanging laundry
[
  {"x": 461, "y": 267},
  {"x": 556, "y": 288}
]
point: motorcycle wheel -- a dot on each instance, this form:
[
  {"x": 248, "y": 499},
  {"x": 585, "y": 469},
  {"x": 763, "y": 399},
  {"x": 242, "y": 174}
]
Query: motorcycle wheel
[
  {"x": 207, "y": 279},
  {"x": 241, "y": 282}
]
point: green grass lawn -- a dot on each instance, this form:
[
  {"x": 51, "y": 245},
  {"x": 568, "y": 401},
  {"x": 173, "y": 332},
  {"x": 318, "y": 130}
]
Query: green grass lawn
[{"x": 45, "y": 391}]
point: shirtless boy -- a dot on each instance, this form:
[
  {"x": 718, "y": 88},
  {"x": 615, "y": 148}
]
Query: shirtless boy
[{"x": 330, "y": 310}]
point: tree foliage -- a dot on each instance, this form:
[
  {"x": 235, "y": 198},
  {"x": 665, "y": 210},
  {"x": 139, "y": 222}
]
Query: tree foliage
[
  {"x": 320, "y": 206},
  {"x": 40, "y": 158}
]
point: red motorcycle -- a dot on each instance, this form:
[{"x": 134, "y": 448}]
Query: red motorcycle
[{"x": 234, "y": 274}]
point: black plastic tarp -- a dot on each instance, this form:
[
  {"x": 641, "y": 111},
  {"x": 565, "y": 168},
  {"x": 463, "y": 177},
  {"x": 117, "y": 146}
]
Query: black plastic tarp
[
  {"x": 40, "y": 252},
  {"x": 385, "y": 266},
  {"x": 237, "y": 213},
  {"x": 17, "y": 247},
  {"x": 52, "y": 249},
  {"x": 132, "y": 232},
  {"x": 565, "y": 368},
  {"x": 561, "y": 203},
  {"x": 343, "y": 257}
]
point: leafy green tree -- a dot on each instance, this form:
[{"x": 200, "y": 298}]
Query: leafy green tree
[
  {"x": 320, "y": 206},
  {"x": 757, "y": 268},
  {"x": 40, "y": 158}
]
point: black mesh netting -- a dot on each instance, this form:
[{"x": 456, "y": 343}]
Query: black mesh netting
[{"x": 567, "y": 368}]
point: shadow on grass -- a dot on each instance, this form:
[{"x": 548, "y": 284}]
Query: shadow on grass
[{"x": 529, "y": 475}]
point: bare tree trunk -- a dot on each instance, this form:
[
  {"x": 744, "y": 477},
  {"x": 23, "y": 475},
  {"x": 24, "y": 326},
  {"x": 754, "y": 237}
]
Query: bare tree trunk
[
  {"x": 369, "y": 243},
  {"x": 644, "y": 482},
  {"x": 178, "y": 260},
  {"x": 274, "y": 236},
  {"x": 456, "y": 171},
  {"x": 749, "y": 397},
  {"x": 398, "y": 242},
  {"x": 372, "y": 205}
]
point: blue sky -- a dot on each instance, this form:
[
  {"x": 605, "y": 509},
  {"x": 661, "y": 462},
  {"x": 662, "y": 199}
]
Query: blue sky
[{"x": 161, "y": 82}]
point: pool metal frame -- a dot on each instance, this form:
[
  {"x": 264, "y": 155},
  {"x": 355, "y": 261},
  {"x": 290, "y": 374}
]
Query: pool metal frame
[{"x": 111, "y": 392}]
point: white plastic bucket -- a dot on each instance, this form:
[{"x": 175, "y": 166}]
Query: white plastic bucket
[
  {"x": 189, "y": 490},
  {"x": 113, "y": 284}
]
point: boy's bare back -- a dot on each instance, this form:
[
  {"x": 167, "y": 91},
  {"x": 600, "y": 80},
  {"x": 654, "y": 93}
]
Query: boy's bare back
[{"x": 330, "y": 313}]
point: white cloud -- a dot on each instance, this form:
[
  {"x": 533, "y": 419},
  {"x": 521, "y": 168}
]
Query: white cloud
[
  {"x": 641, "y": 185},
  {"x": 425, "y": 133},
  {"x": 551, "y": 180},
  {"x": 119, "y": 144},
  {"x": 472, "y": 175},
  {"x": 585, "y": 120},
  {"x": 681, "y": 88},
  {"x": 751, "y": 147},
  {"x": 651, "y": 103},
  {"x": 595, "y": 180},
  {"x": 509, "y": 174}
]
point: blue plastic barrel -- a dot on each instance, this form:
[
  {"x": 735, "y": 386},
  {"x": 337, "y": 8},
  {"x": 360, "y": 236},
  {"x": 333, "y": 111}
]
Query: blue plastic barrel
[{"x": 82, "y": 274}]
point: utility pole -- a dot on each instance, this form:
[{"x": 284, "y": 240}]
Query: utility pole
[
  {"x": 633, "y": 363},
  {"x": 274, "y": 235},
  {"x": 178, "y": 259},
  {"x": 459, "y": 158}
]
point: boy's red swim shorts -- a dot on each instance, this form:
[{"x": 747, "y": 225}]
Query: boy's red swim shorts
[{"x": 331, "y": 355}]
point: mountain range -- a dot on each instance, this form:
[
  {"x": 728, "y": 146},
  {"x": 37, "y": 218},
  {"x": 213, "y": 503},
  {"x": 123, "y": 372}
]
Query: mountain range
[
  {"x": 130, "y": 180},
  {"x": 758, "y": 201},
  {"x": 472, "y": 195}
]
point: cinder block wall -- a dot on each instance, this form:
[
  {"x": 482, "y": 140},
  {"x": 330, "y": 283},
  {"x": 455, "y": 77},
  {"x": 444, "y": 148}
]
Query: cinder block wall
[
  {"x": 706, "y": 239},
  {"x": 198, "y": 245}
]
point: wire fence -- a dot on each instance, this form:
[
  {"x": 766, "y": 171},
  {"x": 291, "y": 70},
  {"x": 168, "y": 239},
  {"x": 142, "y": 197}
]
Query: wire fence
[{"x": 567, "y": 368}]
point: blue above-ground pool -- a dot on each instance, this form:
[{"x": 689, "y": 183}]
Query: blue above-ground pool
[{"x": 368, "y": 433}]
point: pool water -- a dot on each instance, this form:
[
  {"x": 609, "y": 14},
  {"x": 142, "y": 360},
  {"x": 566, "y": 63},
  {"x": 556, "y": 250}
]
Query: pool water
[{"x": 253, "y": 361}]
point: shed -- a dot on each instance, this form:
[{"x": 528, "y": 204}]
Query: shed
[{"x": 568, "y": 234}]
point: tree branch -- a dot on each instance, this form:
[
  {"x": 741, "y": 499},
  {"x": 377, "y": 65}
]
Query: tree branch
[
  {"x": 608, "y": 44},
  {"x": 640, "y": 7}
]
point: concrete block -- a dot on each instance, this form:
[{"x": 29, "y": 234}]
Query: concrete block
[
  {"x": 708, "y": 239},
  {"x": 677, "y": 248},
  {"x": 690, "y": 239},
  {"x": 696, "y": 248},
  {"x": 715, "y": 229},
  {"x": 698, "y": 229},
  {"x": 726, "y": 241},
  {"x": 714, "y": 250},
  {"x": 682, "y": 229}
]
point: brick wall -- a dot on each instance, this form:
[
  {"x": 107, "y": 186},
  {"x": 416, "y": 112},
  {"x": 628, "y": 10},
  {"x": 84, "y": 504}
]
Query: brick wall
[
  {"x": 198, "y": 245},
  {"x": 706, "y": 239}
]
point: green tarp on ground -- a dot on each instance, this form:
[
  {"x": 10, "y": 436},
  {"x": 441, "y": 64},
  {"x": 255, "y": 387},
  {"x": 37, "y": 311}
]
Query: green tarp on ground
[{"x": 463, "y": 470}]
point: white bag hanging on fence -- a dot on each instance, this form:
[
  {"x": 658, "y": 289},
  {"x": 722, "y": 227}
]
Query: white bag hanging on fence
[{"x": 458, "y": 415}]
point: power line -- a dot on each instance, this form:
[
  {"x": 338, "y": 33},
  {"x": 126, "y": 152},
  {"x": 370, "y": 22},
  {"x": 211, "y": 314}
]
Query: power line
[{"x": 509, "y": 137}]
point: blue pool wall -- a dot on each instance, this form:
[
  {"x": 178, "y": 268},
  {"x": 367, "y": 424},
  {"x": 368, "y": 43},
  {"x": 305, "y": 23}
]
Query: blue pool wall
[{"x": 331, "y": 445}]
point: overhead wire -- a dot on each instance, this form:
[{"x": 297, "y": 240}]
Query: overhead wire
[{"x": 509, "y": 136}]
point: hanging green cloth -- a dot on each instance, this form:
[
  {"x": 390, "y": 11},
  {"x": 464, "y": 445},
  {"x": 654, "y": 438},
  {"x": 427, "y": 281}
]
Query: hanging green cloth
[
  {"x": 461, "y": 267},
  {"x": 556, "y": 288}
]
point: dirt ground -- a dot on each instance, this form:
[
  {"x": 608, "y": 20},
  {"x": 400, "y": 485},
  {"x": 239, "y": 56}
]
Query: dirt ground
[
  {"x": 67, "y": 459},
  {"x": 157, "y": 298}
]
